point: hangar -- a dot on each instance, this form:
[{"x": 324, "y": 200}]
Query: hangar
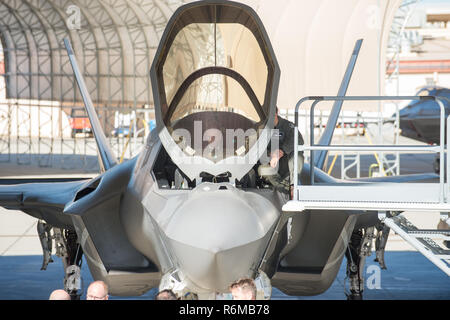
[{"x": 115, "y": 41}]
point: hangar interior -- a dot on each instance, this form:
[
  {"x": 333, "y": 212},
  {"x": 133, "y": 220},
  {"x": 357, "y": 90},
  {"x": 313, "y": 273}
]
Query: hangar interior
[
  {"x": 42, "y": 120},
  {"x": 114, "y": 42}
]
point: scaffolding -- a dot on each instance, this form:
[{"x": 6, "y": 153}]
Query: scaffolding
[
  {"x": 396, "y": 35},
  {"x": 389, "y": 199},
  {"x": 352, "y": 128}
]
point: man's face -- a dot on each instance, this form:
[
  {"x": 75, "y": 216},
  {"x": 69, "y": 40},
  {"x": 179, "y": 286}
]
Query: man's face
[
  {"x": 96, "y": 292},
  {"x": 239, "y": 294}
]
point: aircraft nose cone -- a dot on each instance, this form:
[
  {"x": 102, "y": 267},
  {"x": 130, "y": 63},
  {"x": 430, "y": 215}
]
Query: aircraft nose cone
[{"x": 219, "y": 236}]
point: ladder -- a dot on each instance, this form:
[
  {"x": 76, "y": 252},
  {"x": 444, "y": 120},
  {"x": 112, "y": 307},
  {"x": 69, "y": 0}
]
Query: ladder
[{"x": 421, "y": 240}]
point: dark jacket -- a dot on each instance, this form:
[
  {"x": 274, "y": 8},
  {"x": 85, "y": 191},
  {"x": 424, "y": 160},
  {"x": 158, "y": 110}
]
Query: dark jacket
[{"x": 286, "y": 131}]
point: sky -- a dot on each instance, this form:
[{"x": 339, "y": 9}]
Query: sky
[
  {"x": 436, "y": 1},
  {"x": 444, "y": 3}
]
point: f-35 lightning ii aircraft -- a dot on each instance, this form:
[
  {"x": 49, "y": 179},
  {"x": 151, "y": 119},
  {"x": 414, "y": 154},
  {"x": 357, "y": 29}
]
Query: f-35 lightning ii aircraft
[
  {"x": 420, "y": 120},
  {"x": 188, "y": 212}
]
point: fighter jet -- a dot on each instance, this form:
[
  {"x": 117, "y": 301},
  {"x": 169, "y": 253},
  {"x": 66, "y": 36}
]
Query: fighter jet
[
  {"x": 189, "y": 213},
  {"x": 420, "y": 120}
]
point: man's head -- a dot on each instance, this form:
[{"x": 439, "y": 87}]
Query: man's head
[
  {"x": 59, "y": 295},
  {"x": 243, "y": 289},
  {"x": 166, "y": 295},
  {"x": 97, "y": 290}
]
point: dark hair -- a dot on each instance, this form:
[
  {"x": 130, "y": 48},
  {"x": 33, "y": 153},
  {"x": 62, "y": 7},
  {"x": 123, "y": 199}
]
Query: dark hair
[
  {"x": 166, "y": 295},
  {"x": 245, "y": 284}
]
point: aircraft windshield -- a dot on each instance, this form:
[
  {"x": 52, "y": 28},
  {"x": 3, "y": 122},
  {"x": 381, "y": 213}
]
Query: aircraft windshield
[
  {"x": 209, "y": 93},
  {"x": 215, "y": 48}
]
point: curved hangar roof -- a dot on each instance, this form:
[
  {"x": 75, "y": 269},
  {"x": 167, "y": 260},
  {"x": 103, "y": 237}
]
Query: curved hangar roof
[
  {"x": 313, "y": 41},
  {"x": 115, "y": 41}
]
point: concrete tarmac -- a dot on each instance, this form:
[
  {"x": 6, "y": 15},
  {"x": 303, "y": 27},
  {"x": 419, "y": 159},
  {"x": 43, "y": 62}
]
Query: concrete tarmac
[{"x": 410, "y": 276}]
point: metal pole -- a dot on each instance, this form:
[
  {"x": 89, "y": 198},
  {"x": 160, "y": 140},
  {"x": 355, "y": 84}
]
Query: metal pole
[
  {"x": 296, "y": 148},
  {"x": 448, "y": 160},
  {"x": 311, "y": 126},
  {"x": 343, "y": 142},
  {"x": 295, "y": 195},
  {"x": 405, "y": 148},
  {"x": 442, "y": 149}
]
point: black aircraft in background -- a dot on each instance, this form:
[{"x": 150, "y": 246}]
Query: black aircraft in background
[{"x": 420, "y": 120}]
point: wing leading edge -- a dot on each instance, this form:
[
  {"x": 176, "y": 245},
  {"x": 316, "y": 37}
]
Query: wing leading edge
[{"x": 44, "y": 201}]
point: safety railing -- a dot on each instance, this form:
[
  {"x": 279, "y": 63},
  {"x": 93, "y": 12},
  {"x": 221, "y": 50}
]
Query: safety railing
[
  {"x": 353, "y": 124},
  {"x": 398, "y": 148}
]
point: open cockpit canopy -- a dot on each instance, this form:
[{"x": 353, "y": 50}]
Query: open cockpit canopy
[{"x": 215, "y": 67}]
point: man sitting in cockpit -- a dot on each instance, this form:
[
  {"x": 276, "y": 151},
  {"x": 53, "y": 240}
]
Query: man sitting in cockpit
[{"x": 282, "y": 157}]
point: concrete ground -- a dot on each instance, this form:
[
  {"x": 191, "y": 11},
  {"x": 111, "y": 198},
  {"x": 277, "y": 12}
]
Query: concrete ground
[{"x": 409, "y": 275}]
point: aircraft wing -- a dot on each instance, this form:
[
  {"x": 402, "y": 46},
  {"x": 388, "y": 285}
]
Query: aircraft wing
[
  {"x": 16, "y": 180},
  {"x": 44, "y": 200}
]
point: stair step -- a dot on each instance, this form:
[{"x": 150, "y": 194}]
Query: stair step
[
  {"x": 430, "y": 233},
  {"x": 420, "y": 239}
]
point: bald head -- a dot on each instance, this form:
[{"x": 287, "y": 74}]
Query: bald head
[
  {"x": 166, "y": 295},
  {"x": 59, "y": 295},
  {"x": 97, "y": 290}
]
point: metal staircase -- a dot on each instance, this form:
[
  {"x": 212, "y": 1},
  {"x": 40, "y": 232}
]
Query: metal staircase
[
  {"x": 421, "y": 240},
  {"x": 387, "y": 198}
]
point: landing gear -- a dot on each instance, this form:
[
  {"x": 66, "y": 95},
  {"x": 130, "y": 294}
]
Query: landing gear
[
  {"x": 380, "y": 244},
  {"x": 437, "y": 164},
  {"x": 67, "y": 248},
  {"x": 43, "y": 230},
  {"x": 71, "y": 253},
  {"x": 358, "y": 249},
  {"x": 444, "y": 224}
]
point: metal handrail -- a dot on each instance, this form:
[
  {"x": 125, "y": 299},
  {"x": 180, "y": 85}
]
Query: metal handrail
[
  {"x": 313, "y": 147},
  {"x": 405, "y": 148}
]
